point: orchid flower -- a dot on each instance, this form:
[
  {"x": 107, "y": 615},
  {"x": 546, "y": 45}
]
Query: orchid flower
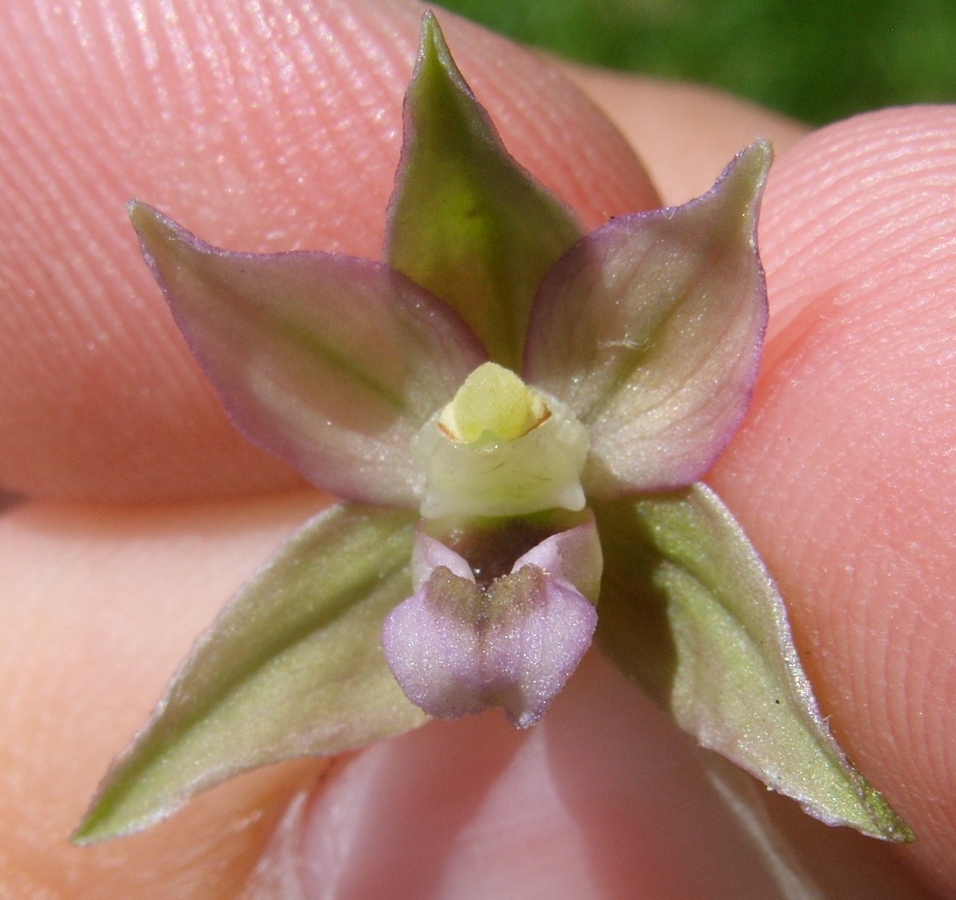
[{"x": 517, "y": 417}]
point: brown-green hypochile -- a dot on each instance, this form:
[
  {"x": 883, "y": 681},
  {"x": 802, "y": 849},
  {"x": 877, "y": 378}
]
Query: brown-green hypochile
[{"x": 517, "y": 417}]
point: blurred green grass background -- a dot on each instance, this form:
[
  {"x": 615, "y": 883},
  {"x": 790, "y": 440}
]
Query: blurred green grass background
[{"x": 816, "y": 60}]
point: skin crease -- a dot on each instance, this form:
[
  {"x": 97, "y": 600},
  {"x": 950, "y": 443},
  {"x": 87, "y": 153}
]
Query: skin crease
[{"x": 840, "y": 474}]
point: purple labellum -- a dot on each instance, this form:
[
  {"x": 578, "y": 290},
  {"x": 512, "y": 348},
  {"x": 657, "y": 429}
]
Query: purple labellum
[{"x": 457, "y": 647}]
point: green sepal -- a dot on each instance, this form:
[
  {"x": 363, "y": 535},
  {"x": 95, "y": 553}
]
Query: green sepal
[
  {"x": 293, "y": 666},
  {"x": 689, "y": 612},
  {"x": 465, "y": 220}
]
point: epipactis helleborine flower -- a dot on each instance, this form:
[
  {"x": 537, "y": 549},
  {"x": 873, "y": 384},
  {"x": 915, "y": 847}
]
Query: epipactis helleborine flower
[{"x": 517, "y": 416}]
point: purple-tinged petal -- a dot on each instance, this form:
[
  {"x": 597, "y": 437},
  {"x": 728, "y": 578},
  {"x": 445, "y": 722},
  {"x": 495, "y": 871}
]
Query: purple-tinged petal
[
  {"x": 465, "y": 220},
  {"x": 430, "y": 554},
  {"x": 651, "y": 330},
  {"x": 691, "y": 614},
  {"x": 456, "y": 649},
  {"x": 330, "y": 362},
  {"x": 573, "y": 556},
  {"x": 291, "y": 667}
]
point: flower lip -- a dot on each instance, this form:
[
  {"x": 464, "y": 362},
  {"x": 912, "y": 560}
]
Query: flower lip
[{"x": 460, "y": 646}]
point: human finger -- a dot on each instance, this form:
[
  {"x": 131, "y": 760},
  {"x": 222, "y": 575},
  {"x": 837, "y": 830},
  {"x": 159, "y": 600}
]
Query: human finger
[
  {"x": 842, "y": 472},
  {"x": 99, "y": 605},
  {"x": 685, "y": 133}
]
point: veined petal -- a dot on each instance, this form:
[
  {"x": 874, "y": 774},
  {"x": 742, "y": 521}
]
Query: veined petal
[
  {"x": 466, "y": 221},
  {"x": 457, "y": 648},
  {"x": 291, "y": 667},
  {"x": 332, "y": 363},
  {"x": 689, "y": 612},
  {"x": 651, "y": 330}
]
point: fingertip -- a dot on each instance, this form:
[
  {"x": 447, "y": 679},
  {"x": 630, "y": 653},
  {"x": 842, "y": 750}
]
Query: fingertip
[
  {"x": 685, "y": 133},
  {"x": 840, "y": 473},
  {"x": 605, "y": 797}
]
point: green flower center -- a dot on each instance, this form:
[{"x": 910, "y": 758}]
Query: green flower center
[
  {"x": 493, "y": 403},
  {"x": 501, "y": 448}
]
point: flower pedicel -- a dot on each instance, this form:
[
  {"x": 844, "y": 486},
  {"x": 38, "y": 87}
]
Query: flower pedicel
[{"x": 518, "y": 417}]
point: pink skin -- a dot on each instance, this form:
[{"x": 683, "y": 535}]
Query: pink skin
[{"x": 842, "y": 473}]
